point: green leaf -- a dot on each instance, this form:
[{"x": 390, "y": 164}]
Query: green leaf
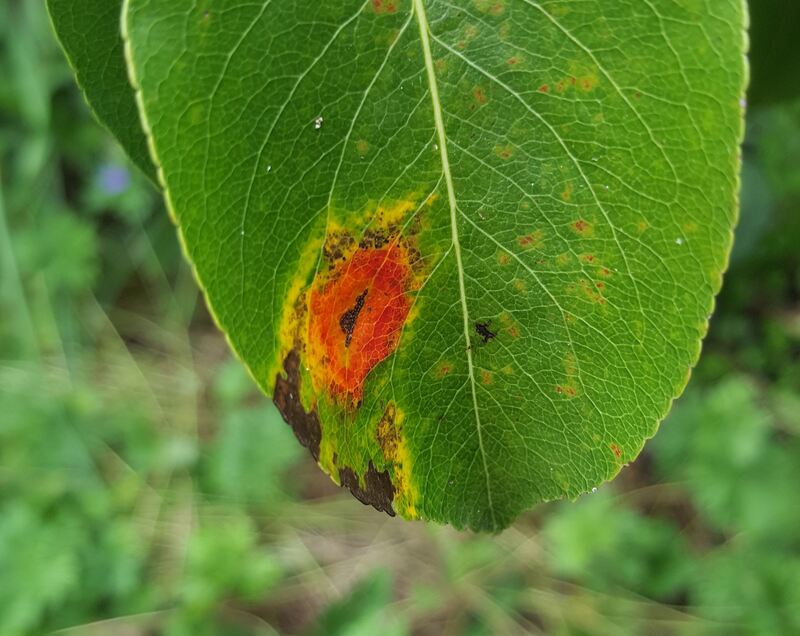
[
  {"x": 89, "y": 32},
  {"x": 470, "y": 250},
  {"x": 775, "y": 54}
]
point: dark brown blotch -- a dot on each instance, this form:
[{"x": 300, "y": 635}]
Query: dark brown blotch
[
  {"x": 483, "y": 330},
  {"x": 377, "y": 490},
  {"x": 347, "y": 322},
  {"x": 306, "y": 425}
]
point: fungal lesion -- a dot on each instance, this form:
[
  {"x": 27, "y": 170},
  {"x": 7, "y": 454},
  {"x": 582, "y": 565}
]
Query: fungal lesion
[{"x": 343, "y": 315}]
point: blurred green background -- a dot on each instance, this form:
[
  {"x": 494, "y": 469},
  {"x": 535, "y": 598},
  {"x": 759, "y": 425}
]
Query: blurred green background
[{"x": 147, "y": 489}]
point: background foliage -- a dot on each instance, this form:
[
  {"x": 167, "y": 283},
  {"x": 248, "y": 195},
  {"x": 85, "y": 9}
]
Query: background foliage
[{"x": 146, "y": 488}]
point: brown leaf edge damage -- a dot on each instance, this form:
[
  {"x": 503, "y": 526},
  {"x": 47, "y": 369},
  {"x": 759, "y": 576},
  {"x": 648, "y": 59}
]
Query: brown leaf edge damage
[{"x": 377, "y": 491}]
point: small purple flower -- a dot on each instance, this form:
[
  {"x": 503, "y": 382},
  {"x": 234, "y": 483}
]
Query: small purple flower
[{"x": 113, "y": 179}]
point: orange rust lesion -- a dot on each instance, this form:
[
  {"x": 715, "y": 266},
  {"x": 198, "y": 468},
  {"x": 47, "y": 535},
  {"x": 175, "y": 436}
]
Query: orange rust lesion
[
  {"x": 444, "y": 369},
  {"x": 533, "y": 240},
  {"x": 581, "y": 226},
  {"x": 479, "y": 95},
  {"x": 356, "y": 314},
  {"x": 384, "y": 6}
]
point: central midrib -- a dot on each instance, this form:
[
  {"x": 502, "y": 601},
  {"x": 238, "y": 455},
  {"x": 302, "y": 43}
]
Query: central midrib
[{"x": 422, "y": 21}]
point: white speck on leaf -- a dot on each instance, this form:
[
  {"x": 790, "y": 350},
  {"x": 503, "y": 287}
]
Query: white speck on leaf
[
  {"x": 269, "y": 168},
  {"x": 679, "y": 241},
  {"x": 318, "y": 122}
]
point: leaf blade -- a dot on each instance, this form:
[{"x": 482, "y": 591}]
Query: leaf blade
[{"x": 541, "y": 305}]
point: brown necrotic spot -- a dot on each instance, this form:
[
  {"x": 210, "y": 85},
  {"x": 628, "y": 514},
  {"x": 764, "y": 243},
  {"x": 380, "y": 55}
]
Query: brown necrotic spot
[
  {"x": 348, "y": 320},
  {"x": 377, "y": 490},
  {"x": 305, "y": 425}
]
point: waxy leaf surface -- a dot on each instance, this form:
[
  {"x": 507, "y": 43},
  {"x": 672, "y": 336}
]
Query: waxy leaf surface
[{"x": 470, "y": 248}]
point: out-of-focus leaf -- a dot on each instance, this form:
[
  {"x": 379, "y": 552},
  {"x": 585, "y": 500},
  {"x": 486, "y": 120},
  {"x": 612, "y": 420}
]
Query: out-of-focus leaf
[
  {"x": 361, "y": 613},
  {"x": 89, "y": 32},
  {"x": 605, "y": 544},
  {"x": 250, "y": 455},
  {"x": 774, "y": 51}
]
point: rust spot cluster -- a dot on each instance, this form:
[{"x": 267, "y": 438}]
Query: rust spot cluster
[{"x": 384, "y": 6}]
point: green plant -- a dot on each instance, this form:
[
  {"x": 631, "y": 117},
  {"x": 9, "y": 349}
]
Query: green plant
[{"x": 470, "y": 251}]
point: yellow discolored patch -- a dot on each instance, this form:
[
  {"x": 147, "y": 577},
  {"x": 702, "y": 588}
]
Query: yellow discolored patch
[
  {"x": 504, "y": 151},
  {"x": 389, "y": 434},
  {"x": 492, "y": 7},
  {"x": 295, "y": 315}
]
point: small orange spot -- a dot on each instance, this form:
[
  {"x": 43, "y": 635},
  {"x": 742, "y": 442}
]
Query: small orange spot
[
  {"x": 587, "y": 258},
  {"x": 443, "y": 370},
  {"x": 616, "y": 450},
  {"x": 379, "y": 6},
  {"x": 356, "y": 315},
  {"x": 600, "y": 285},
  {"x": 559, "y": 389},
  {"x": 570, "y": 391},
  {"x": 486, "y": 377},
  {"x": 503, "y": 258},
  {"x": 566, "y": 195},
  {"x": 513, "y": 331},
  {"x": 561, "y": 86},
  {"x": 513, "y": 61},
  {"x": 605, "y": 272},
  {"x": 544, "y": 88},
  {"x": 581, "y": 226},
  {"x": 479, "y": 95},
  {"x": 534, "y": 239},
  {"x": 362, "y": 146},
  {"x": 573, "y": 81}
]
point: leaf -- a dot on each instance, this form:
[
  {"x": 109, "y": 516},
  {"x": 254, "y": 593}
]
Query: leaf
[
  {"x": 775, "y": 54},
  {"x": 89, "y": 33},
  {"x": 470, "y": 250}
]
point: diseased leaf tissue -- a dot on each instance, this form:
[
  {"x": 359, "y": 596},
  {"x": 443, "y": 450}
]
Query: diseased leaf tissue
[{"x": 471, "y": 247}]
